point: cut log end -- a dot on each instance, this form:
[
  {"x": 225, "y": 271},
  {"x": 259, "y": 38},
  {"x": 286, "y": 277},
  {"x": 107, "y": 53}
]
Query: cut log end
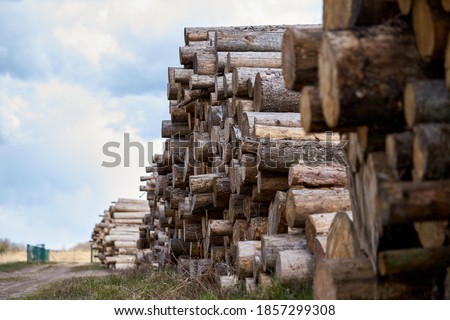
[{"x": 329, "y": 93}]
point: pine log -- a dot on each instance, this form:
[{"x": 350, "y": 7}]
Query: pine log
[
  {"x": 244, "y": 260},
  {"x": 192, "y": 232},
  {"x": 349, "y": 13},
  {"x": 258, "y": 267},
  {"x": 431, "y": 24},
  {"x": 300, "y": 203},
  {"x": 203, "y": 183},
  {"x": 312, "y": 119},
  {"x": 201, "y": 202},
  {"x": 248, "y": 41},
  {"x": 240, "y": 76},
  {"x": 421, "y": 106},
  {"x": 257, "y": 228},
  {"x": 272, "y": 245},
  {"x": 347, "y": 57},
  {"x": 268, "y": 181},
  {"x": 178, "y": 114},
  {"x": 318, "y": 176},
  {"x": 122, "y": 237},
  {"x": 187, "y": 53},
  {"x": 279, "y": 155},
  {"x": 253, "y": 60},
  {"x": 204, "y": 63},
  {"x": 431, "y": 233},
  {"x": 129, "y": 207},
  {"x": 277, "y": 215},
  {"x": 239, "y": 231},
  {"x": 125, "y": 244},
  {"x": 172, "y": 87},
  {"x": 344, "y": 279},
  {"x": 249, "y": 168},
  {"x": 271, "y": 95},
  {"x": 317, "y": 225},
  {"x": 300, "y": 49},
  {"x": 431, "y": 151},
  {"x": 169, "y": 129},
  {"x": 320, "y": 248},
  {"x": 236, "y": 207},
  {"x": 201, "y": 81},
  {"x": 221, "y": 191},
  {"x": 179, "y": 247},
  {"x": 405, "y": 6},
  {"x": 283, "y": 119},
  {"x": 263, "y": 197},
  {"x": 294, "y": 268},
  {"x": 342, "y": 241},
  {"x": 416, "y": 260},
  {"x": 218, "y": 253},
  {"x": 399, "y": 153},
  {"x": 261, "y": 131},
  {"x": 220, "y": 228},
  {"x": 183, "y": 75},
  {"x": 254, "y": 209}
]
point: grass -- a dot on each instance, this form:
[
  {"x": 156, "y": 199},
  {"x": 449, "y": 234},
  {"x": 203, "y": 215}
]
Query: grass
[
  {"x": 14, "y": 266},
  {"x": 145, "y": 284},
  {"x": 87, "y": 267}
]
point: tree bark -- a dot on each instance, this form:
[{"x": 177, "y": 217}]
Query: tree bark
[
  {"x": 268, "y": 181},
  {"x": 399, "y": 153},
  {"x": 187, "y": 53},
  {"x": 320, "y": 248},
  {"x": 204, "y": 63},
  {"x": 353, "y": 76},
  {"x": 183, "y": 75},
  {"x": 220, "y": 228},
  {"x": 300, "y": 52},
  {"x": 242, "y": 74},
  {"x": 317, "y": 225},
  {"x": 342, "y": 241},
  {"x": 257, "y": 228},
  {"x": 431, "y": 233},
  {"x": 312, "y": 119},
  {"x": 318, "y": 176},
  {"x": 246, "y": 250},
  {"x": 431, "y": 151},
  {"x": 203, "y": 183},
  {"x": 201, "y": 202},
  {"x": 253, "y": 60},
  {"x": 239, "y": 231},
  {"x": 271, "y": 95},
  {"x": 300, "y": 203},
  {"x": 277, "y": 215},
  {"x": 421, "y": 106},
  {"x": 253, "y": 209},
  {"x": 259, "y": 41},
  {"x": 221, "y": 191},
  {"x": 201, "y": 81},
  {"x": 431, "y": 24},
  {"x": 272, "y": 245}
]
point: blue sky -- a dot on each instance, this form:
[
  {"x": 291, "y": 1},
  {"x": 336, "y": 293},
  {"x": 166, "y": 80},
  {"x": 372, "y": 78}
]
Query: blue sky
[{"x": 77, "y": 74}]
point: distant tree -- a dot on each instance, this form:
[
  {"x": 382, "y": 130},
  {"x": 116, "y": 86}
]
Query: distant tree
[{"x": 7, "y": 246}]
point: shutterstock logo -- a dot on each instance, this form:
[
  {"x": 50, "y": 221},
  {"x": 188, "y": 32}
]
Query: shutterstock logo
[{"x": 267, "y": 154}]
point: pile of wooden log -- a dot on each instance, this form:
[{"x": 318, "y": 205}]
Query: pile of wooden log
[
  {"x": 239, "y": 176},
  {"x": 121, "y": 233},
  {"x": 382, "y": 83}
]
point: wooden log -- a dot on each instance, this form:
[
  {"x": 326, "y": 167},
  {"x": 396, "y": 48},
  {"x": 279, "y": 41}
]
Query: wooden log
[
  {"x": 183, "y": 75},
  {"x": 268, "y": 181},
  {"x": 271, "y": 95},
  {"x": 300, "y": 203},
  {"x": 125, "y": 244},
  {"x": 300, "y": 50},
  {"x": 239, "y": 231},
  {"x": 122, "y": 237},
  {"x": 421, "y": 106},
  {"x": 405, "y": 6},
  {"x": 265, "y": 281},
  {"x": 318, "y": 176},
  {"x": 279, "y": 155},
  {"x": 240, "y": 76},
  {"x": 187, "y": 53},
  {"x": 258, "y": 267},
  {"x": 172, "y": 88},
  {"x": 257, "y": 228},
  {"x": 220, "y": 228},
  {"x": 129, "y": 207},
  {"x": 342, "y": 241},
  {"x": 236, "y": 207},
  {"x": 312, "y": 119},
  {"x": 320, "y": 248},
  {"x": 202, "y": 201},
  {"x": 221, "y": 61},
  {"x": 431, "y": 150},
  {"x": 431, "y": 233},
  {"x": 178, "y": 114},
  {"x": 399, "y": 153},
  {"x": 344, "y": 279},
  {"x": 192, "y": 232},
  {"x": 203, "y": 183},
  {"x": 228, "y": 282},
  {"x": 294, "y": 268},
  {"x": 416, "y": 260},
  {"x": 169, "y": 129},
  {"x": 349, "y": 56},
  {"x": 250, "y": 119},
  {"x": 431, "y": 24},
  {"x": 248, "y": 41},
  {"x": 261, "y": 131},
  {"x": 244, "y": 260},
  {"x": 204, "y": 63},
  {"x": 201, "y": 81},
  {"x": 179, "y": 247},
  {"x": 317, "y": 225},
  {"x": 221, "y": 191},
  {"x": 253, "y": 208},
  {"x": 253, "y": 60},
  {"x": 350, "y": 13},
  {"x": 277, "y": 215},
  {"x": 130, "y": 215},
  {"x": 249, "y": 168},
  {"x": 272, "y": 245},
  {"x": 218, "y": 253},
  {"x": 228, "y": 86}
]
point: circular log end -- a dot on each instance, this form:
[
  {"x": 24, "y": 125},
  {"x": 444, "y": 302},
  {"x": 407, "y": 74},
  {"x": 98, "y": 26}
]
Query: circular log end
[
  {"x": 419, "y": 155},
  {"x": 424, "y": 29},
  {"x": 288, "y": 59},
  {"x": 409, "y": 105},
  {"x": 391, "y": 151}
]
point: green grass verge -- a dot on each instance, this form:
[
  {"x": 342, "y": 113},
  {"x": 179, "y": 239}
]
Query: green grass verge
[
  {"x": 87, "y": 267},
  {"x": 145, "y": 284}
]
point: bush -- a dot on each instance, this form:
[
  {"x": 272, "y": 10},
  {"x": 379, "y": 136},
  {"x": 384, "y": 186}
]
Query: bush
[{"x": 7, "y": 246}]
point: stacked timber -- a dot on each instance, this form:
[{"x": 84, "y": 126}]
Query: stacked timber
[
  {"x": 239, "y": 175},
  {"x": 121, "y": 233},
  {"x": 383, "y": 84}
]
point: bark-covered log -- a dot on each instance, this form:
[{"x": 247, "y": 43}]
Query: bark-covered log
[
  {"x": 257, "y": 228},
  {"x": 300, "y": 203},
  {"x": 318, "y": 176},
  {"x": 421, "y": 106},
  {"x": 320, "y": 248},
  {"x": 187, "y": 53},
  {"x": 253, "y": 60},
  {"x": 268, "y": 181},
  {"x": 221, "y": 191},
  {"x": 242, "y": 74},
  {"x": 431, "y": 151},
  {"x": 239, "y": 231},
  {"x": 248, "y": 40},
  {"x": 236, "y": 207},
  {"x": 300, "y": 50},
  {"x": 203, "y": 183},
  {"x": 282, "y": 119},
  {"x": 431, "y": 233},
  {"x": 349, "y": 13},
  {"x": 316, "y": 225},
  {"x": 261, "y": 131},
  {"x": 201, "y": 202},
  {"x": 255, "y": 208},
  {"x": 271, "y": 95},
  {"x": 182, "y": 76},
  {"x": 277, "y": 215},
  {"x": 294, "y": 268},
  {"x": 204, "y": 63},
  {"x": 399, "y": 153},
  {"x": 201, "y": 81},
  {"x": 220, "y": 228},
  {"x": 244, "y": 257},
  {"x": 431, "y": 25},
  {"x": 359, "y": 86}
]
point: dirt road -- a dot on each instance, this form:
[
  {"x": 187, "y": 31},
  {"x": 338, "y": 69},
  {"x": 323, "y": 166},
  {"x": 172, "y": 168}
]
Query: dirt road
[{"x": 17, "y": 284}]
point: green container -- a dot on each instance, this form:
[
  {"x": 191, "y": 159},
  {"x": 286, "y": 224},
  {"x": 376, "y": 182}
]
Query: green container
[{"x": 37, "y": 253}]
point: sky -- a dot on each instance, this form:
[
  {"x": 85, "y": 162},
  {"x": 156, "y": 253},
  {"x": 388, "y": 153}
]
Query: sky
[{"x": 76, "y": 74}]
